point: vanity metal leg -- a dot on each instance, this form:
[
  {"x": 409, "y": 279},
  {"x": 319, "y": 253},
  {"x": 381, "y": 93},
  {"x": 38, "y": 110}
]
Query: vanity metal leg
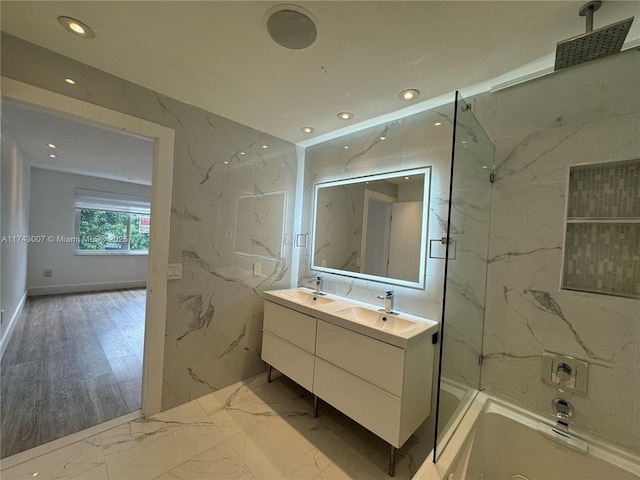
[
  {"x": 315, "y": 406},
  {"x": 269, "y": 372},
  {"x": 392, "y": 461}
]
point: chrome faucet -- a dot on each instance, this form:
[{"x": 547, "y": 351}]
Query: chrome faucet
[
  {"x": 388, "y": 301},
  {"x": 318, "y": 282}
]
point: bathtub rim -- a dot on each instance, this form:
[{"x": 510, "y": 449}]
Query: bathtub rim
[{"x": 485, "y": 403}]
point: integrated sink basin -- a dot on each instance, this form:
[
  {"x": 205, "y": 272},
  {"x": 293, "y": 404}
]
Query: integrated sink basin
[
  {"x": 305, "y": 297},
  {"x": 392, "y": 322},
  {"x": 399, "y": 329}
]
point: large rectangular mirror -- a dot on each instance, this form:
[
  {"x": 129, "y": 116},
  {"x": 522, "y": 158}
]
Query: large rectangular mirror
[{"x": 373, "y": 227}]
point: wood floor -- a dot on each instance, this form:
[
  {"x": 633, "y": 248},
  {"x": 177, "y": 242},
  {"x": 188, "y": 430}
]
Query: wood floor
[{"x": 73, "y": 361}]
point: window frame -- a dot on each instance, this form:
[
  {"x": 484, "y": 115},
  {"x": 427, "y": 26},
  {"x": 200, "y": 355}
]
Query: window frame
[{"x": 126, "y": 252}]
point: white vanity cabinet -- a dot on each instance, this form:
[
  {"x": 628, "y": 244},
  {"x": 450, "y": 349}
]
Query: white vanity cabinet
[
  {"x": 288, "y": 343},
  {"x": 384, "y": 387}
]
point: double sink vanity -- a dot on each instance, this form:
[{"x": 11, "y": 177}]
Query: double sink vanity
[{"x": 374, "y": 366}]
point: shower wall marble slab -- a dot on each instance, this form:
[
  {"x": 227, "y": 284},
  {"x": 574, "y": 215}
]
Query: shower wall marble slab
[
  {"x": 214, "y": 314},
  {"x": 585, "y": 114}
]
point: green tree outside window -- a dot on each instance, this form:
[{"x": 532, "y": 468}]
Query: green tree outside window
[{"x": 102, "y": 230}]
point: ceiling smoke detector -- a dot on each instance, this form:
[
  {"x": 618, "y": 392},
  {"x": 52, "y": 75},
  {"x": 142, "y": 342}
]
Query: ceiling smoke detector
[{"x": 291, "y": 27}]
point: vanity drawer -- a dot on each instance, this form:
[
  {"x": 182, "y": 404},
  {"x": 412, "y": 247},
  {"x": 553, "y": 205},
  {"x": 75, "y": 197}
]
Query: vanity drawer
[
  {"x": 376, "y": 362},
  {"x": 295, "y": 327},
  {"x": 370, "y": 406},
  {"x": 292, "y": 361}
]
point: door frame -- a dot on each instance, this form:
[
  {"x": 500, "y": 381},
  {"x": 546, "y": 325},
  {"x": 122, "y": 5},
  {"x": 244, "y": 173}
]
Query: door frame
[
  {"x": 161, "y": 188},
  {"x": 368, "y": 196}
]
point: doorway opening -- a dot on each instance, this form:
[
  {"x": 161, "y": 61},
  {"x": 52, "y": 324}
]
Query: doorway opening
[{"x": 95, "y": 356}]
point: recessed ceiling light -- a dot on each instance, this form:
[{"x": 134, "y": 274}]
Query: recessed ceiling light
[
  {"x": 76, "y": 27},
  {"x": 308, "y": 129},
  {"x": 484, "y": 166},
  {"x": 383, "y": 138},
  {"x": 437, "y": 124},
  {"x": 226, "y": 162},
  {"x": 51, "y": 145},
  {"x": 345, "y": 115},
  {"x": 409, "y": 95},
  {"x": 70, "y": 81},
  {"x": 464, "y": 141},
  {"x": 265, "y": 146},
  {"x": 242, "y": 153},
  {"x": 346, "y": 147},
  {"x": 407, "y": 178},
  {"x": 51, "y": 155}
]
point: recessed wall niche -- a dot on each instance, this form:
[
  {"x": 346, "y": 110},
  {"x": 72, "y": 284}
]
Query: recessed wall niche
[{"x": 602, "y": 242}]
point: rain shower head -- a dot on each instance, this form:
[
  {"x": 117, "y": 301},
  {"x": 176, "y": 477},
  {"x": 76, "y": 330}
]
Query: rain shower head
[{"x": 594, "y": 43}]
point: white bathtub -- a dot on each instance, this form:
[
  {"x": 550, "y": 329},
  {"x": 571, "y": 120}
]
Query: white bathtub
[{"x": 498, "y": 441}]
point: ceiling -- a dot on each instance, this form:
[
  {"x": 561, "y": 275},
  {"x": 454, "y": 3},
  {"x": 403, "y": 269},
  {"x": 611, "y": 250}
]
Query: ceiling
[
  {"x": 80, "y": 148},
  {"x": 218, "y": 54}
]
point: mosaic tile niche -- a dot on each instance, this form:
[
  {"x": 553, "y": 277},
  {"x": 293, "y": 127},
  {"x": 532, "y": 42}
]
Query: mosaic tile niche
[{"x": 602, "y": 245}]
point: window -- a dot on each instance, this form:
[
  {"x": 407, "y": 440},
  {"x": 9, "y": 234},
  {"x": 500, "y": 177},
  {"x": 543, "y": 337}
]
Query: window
[
  {"x": 112, "y": 224},
  {"x": 602, "y": 243}
]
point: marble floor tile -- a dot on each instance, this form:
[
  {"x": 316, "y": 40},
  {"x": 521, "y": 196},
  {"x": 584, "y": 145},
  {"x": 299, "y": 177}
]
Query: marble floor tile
[
  {"x": 354, "y": 465},
  {"x": 262, "y": 440},
  {"x": 83, "y": 459},
  {"x": 248, "y": 431},
  {"x": 296, "y": 460},
  {"x": 220, "y": 462},
  {"x": 149, "y": 447}
]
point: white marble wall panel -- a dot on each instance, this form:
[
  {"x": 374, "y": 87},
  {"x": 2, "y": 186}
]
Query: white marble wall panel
[
  {"x": 214, "y": 314},
  {"x": 260, "y": 225},
  {"x": 589, "y": 113}
]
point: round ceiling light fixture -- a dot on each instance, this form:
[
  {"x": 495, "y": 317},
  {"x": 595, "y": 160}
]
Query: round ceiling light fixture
[
  {"x": 409, "y": 95},
  {"x": 291, "y": 27},
  {"x": 308, "y": 129},
  {"x": 345, "y": 115},
  {"x": 76, "y": 27}
]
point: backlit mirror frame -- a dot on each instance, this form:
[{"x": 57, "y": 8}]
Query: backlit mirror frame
[{"x": 420, "y": 284}]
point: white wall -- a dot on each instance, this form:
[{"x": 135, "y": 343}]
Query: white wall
[
  {"x": 52, "y": 214},
  {"x": 15, "y": 221}
]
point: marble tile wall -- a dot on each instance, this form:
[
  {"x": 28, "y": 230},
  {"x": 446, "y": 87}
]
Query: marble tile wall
[
  {"x": 585, "y": 114},
  {"x": 411, "y": 142},
  {"x": 214, "y": 314}
]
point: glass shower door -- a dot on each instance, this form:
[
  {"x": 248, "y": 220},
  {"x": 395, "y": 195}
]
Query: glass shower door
[{"x": 465, "y": 271}]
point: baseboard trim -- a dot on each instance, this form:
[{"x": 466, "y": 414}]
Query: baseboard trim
[
  {"x": 12, "y": 325},
  {"x": 86, "y": 287}
]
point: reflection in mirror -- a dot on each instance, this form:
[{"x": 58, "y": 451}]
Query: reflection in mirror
[{"x": 373, "y": 227}]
